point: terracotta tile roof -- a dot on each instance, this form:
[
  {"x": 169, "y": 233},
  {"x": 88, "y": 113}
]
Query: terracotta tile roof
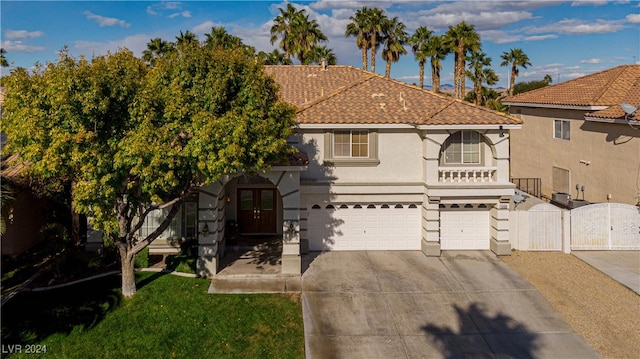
[
  {"x": 615, "y": 111},
  {"x": 605, "y": 88},
  {"x": 347, "y": 95}
]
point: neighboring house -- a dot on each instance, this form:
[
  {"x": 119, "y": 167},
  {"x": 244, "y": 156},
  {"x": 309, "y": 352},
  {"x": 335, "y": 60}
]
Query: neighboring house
[
  {"x": 383, "y": 166},
  {"x": 577, "y": 138}
]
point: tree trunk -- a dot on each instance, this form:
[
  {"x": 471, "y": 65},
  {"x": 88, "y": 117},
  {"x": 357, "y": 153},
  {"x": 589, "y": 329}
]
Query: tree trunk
[
  {"x": 478, "y": 91},
  {"x": 421, "y": 74},
  {"x": 127, "y": 260},
  {"x": 512, "y": 80},
  {"x": 456, "y": 76},
  {"x": 364, "y": 58},
  {"x": 387, "y": 69},
  {"x": 435, "y": 78},
  {"x": 373, "y": 52},
  {"x": 75, "y": 218}
]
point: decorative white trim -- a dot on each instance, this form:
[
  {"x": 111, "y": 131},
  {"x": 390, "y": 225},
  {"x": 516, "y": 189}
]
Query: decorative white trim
[
  {"x": 333, "y": 126},
  {"x": 469, "y": 127}
]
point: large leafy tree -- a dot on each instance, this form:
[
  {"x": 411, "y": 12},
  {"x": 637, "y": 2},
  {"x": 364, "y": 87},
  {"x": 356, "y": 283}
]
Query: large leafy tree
[
  {"x": 394, "y": 39},
  {"x": 480, "y": 72},
  {"x": 461, "y": 39},
  {"x": 358, "y": 28},
  {"x": 134, "y": 139},
  {"x": 420, "y": 46},
  {"x": 515, "y": 58}
]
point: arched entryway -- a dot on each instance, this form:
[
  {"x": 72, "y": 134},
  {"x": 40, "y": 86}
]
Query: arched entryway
[{"x": 261, "y": 205}]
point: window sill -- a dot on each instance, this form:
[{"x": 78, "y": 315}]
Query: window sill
[{"x": 352, "y": 162}]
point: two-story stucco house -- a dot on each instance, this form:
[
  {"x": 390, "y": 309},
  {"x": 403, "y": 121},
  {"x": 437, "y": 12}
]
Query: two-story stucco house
[
  {"x": 578, "y": 139},
  {"x": 383, "y": 166}
]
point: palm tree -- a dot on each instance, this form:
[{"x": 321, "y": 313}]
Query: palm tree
[
  {"x": 3, "y": 60},
  {"x": 375, "y": 20},
  {"x": 420, "y": 46},
  {"x": 394, "y": 38},
  {"x": 186, "y": 39},
  {"x": 462, "y": 39},
  {"x": 437, "y": 52},
  {"x": 155, "y": 49},
  {"x": 220, "y": 38},
  {"x": 547, "y": 79},
  {"x": 480, "y": 72},
  {"x": 358, "y": 28},
  {"x": 282, "y": 25},
  {"x": 306, "y": 34},
  {"x": 275, "y": 57},
  {"x": 516, "y": 58},
  {"x": 320, "y": 53}
]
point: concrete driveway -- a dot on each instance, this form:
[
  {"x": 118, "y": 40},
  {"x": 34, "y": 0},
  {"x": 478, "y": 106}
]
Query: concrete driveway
[
  {"x": 622, "y": 266},
  {"x": 401, "y": 304}
]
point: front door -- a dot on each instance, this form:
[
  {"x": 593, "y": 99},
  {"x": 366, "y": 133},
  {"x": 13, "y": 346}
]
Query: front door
[{"x": 257, "y": 210}]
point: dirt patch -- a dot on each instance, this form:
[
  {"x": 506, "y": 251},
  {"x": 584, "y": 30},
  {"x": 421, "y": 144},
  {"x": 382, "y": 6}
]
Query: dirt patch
[{"x": 603, "y": 311}]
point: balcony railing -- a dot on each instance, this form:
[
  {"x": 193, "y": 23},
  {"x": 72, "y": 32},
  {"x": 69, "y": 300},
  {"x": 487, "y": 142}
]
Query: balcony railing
[{"x": 467, "y": 174}]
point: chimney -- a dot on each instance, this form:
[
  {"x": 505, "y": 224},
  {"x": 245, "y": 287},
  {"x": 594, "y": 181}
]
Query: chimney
[{"x": 323, "y": 63}]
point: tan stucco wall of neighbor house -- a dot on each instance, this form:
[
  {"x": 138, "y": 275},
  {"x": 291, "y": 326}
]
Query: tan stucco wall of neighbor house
[{"x": 602, "y": 157}]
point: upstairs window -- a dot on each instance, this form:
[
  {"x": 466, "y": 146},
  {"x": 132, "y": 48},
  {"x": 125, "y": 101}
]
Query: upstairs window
[
  {"x": 351, "y": 148},
  {"x": 561, "y": 129},
  {"x": 353, "y": 144},
  {"x": 462, "y": 147}
]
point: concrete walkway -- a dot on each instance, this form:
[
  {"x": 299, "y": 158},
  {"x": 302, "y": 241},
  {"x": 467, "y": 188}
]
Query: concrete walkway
[
  {"x": 622, "y": 266},
  {"x": 401, "y": 304}
]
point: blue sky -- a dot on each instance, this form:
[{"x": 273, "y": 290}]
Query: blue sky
[{"x": 565, "y": 39}]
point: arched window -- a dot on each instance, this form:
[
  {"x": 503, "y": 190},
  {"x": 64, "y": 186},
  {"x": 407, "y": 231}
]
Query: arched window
[{"x": 462, "y": 147}]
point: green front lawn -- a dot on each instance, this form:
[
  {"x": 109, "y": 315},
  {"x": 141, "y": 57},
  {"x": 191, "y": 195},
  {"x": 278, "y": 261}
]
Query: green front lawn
[{"x": 169, "y": 317}]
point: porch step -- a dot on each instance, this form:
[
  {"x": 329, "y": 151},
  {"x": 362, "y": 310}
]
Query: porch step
[{"x": 256, "y": 283}]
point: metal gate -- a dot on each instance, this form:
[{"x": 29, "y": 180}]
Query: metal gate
[
  {"x": 605, "y": 226},
  {"x": 545, "y": 228}
]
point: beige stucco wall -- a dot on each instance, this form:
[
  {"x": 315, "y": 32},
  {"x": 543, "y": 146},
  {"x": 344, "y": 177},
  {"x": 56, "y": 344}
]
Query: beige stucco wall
[
  {"x": 612, "y": 151},
  {"x": 399, "y": 152}
]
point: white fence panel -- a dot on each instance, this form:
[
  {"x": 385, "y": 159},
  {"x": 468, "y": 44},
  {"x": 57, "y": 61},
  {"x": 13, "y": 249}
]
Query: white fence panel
[
  {"x": 545, "y": 228},
  {"x": 605, "y": 226},
  {"x": 625, "y": 226}
]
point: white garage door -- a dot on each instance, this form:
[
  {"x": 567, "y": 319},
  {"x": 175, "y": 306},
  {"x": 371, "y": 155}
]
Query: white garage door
[
  {"x": 345, "y": 227},
  {"x": 460, "y": 229}
]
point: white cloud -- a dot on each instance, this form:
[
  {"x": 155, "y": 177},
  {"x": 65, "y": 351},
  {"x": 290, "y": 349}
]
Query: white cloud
[
  {"x": 539, "y": 37},
  {"x": 186, "y": 14},
  {"x": 105, "y": 21},
  {"x": 589, "y": 2},
  {"x": 22, "y": 34},
  {"x": 135, "y": 43},
  {"x": 633, "y": 18},
  {"x": 592, "y": 61},
  {"x": 20, "y": 47},
  {"x": 577, "y": 26},
  {"x": 205, "y": 27}
]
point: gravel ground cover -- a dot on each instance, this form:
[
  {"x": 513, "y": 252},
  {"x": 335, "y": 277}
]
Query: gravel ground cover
[{"x": 603, "y": 311}]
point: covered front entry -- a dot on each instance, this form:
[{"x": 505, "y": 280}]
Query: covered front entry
[
  {"x": 257, "y": 210},
  {"x": 364, "y": 227},
  {"x": 464, "y": 229}
]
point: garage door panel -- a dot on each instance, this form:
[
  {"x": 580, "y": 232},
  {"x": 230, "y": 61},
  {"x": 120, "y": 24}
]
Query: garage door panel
[
  {"x": 365, "y": 228},
  {"x": 460, "y": 230}
]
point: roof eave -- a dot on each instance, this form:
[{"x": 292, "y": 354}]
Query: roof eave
[{"x": 558, "y": 106}]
